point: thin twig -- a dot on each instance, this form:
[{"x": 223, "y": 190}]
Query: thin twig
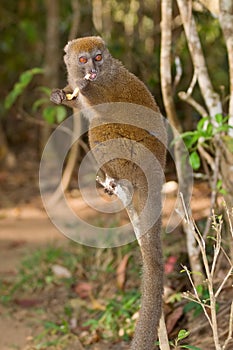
[
  {"x": 223, "y": 282},
  {"x": 209, "y": 273},
  {"x": 206, "y": 156},
  {"x": 184, "y": 96},
  {"x": 217, "y": 247},
  {"x": 229, "y": 220},
  {"x": 197, "y": 296},
  {"x": 191, "y": 297},
  {"x": 192, "y": 283},
  {"x": 178, "y": 72},
  {"x": 192, "y": 84},
  {"x": 230, "y": 331},
  {"x": 215, "y": 178},
  {"x": 59, "y": 191}
]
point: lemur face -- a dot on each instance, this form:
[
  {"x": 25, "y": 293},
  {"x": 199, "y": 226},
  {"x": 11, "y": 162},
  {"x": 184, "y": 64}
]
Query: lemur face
[{"x": 85, "y": 59}]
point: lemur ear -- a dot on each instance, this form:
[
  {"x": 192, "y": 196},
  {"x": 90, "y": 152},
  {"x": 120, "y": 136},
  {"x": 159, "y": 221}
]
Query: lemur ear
[{"x": 66, "y": 47}]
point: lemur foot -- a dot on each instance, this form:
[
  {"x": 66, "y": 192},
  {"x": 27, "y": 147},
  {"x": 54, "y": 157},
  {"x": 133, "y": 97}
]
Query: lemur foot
[{"x": 108, "y": 184}]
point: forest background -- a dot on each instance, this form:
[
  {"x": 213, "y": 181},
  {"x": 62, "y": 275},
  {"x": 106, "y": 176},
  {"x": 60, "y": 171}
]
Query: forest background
[{"x": 192, "y": 81}]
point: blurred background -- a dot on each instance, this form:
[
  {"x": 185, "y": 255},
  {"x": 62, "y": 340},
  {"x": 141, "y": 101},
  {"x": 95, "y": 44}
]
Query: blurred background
[
  {"x": 54, "y": 293},
  {"x": 33, "y": 35}
]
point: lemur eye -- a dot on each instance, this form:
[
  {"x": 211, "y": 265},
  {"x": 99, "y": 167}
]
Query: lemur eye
[
  {"x": 98, "y": 57},
  {"x": 83, "y": 59}
]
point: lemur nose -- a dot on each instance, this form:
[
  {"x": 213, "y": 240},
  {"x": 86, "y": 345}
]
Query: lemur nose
[{"x": 92, "y": 75}]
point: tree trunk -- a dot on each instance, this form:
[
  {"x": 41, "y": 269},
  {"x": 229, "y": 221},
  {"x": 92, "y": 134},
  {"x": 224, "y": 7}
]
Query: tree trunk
[
  {"x": 7, "y": 158},
  {"x": 211, "y": 98},
  {"x": 226, "y": 161},
  {"x": 52, "y": 55},
  {"x": 181, "y": 159},
  {"x": 226, "y": 22}
]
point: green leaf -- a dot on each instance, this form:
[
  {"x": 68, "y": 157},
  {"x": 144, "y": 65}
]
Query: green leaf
[
  {"x": 200, "y": 289},
  {"x": 201, "y": 123},
  {"x": 220, "y": 189},
  {"x": 12, "y": 96},
  {"x": 49, "y": 114},
  {"x": 60, "y": 113},
  {"x": 219, "y": 118},
  {"x": 187, "y": 133},
  {"x": 221, "y": 128},
  {"x": 37, "y": 70},
  {"x": 182, "y": 334},
  {"x": 219, "y": 184},
  {"x": 45, "y": 90},
  {"x": 181, "y": 136},
  {"x": 190, "y": 141},
  {"x": 223, "y": 191},
  {"x": 9, "y": 100},
  {"x": 194, "y": 160},
  {"x": 38, "y": 103},
  {"x": 190, "y": 306},
  {"x": 24, "y": 79},
  {"x": 209, "y": 130}
]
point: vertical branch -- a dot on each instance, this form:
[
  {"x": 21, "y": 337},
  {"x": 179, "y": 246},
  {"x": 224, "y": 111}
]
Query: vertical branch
[
  {"x": 51, "y": 53},
  {"x": 165, "y": 66},
  {"x": 162, "y": 333},
  {"x": 211, "y": 98},
  {"x": 52, "y": 43},
  {"x": 107, "y": 19},
  {"x": 226, "y": 22},
  {"x": 74, "y": 153},
  {"x": 181, "y": 163},
  {"x": 75, "y": 19},
  {"x": 230, "y": 329},
  {"x": 97, "y": 18},
  {"x": 7, "y": 157}
]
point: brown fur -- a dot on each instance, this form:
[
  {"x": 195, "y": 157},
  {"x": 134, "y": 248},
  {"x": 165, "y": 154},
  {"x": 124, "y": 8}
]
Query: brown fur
[{"x": 114, "y": 83}]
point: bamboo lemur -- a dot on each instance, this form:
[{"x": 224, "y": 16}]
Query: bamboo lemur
[{"x": 95, "y": 77}]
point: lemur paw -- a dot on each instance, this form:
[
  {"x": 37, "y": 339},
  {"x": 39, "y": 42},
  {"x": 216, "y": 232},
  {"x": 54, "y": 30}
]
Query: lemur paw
[
  {"x": 110, "y": 189},
  {"x": 58, "y": 96},
  {"x": 108, "y": 184}
]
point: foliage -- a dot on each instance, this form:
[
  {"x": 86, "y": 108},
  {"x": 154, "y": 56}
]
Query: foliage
[
  {"x": 23, "y": 37},
  {"x": 205, "y": 132},
  {"x": 50, "y": 113},
  {"x": 116, "y": 320},
  {"x": 35, "y": 276},
  {"x": 58, "y": 335},
  {"x": 183, "y": 334},
  {"x": 195, "y": 307},
  {"x": 35, "y": 272},
  {"x": 207, "y": 298},
  {"x": 24, "y": 79}
]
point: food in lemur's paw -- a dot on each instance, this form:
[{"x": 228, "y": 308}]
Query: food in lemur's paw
[{"x": 73, "y": 95}]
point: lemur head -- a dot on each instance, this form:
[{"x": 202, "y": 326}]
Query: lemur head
[{"x": 86, "y": 59}]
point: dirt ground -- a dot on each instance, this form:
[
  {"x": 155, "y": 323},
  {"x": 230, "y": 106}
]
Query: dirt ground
[{"x": 22, "y": 230}]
